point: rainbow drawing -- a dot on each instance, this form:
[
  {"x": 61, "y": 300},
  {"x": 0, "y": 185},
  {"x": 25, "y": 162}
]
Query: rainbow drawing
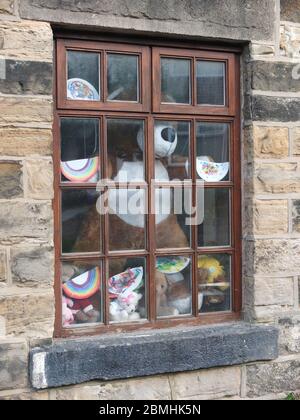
[
  {"x": 83, "y": 286},
  {"x": 82, "y": 170}
]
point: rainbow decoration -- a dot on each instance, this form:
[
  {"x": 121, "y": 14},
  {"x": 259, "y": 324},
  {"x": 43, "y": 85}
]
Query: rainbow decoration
[
  {"x": 82, "y": 170},
  {"x": 83, "y": 286}
]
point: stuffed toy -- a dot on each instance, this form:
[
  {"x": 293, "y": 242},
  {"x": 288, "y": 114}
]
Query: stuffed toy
[
  {"x": 179, "y": 296},
  {"x": 67, "y": 314},
  {"x": 162, "y": 306},
  {"x": 210, "y": 271},
  {"x": 123, "y": 309}
]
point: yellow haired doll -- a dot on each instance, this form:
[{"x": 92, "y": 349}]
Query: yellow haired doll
[{"x": 211, "y": 278}]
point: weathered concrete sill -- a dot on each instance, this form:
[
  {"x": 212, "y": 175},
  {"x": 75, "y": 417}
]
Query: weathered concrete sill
[{"x": 68, "y": 362}]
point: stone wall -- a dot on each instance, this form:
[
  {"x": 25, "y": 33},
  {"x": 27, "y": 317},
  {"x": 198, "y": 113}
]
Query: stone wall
[{"x": 271, "y": 180}]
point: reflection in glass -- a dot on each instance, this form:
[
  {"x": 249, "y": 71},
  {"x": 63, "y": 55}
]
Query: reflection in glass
[
  {"x": 212, "y": 162},
  {"x": 81, "y": 293},
  {"x": 175, "y": 81},
  {"x": 210, "y": 83},
  {"x": 125, "y": 139},
  {"x": 80, "y": 150},
  {"x": 215, "y": 229},
  {"x": 173, "y": 278},
  {"x": 172, "y": 150},
  {"x": 127, "y": 219},
  {"x": 214, "y": 283},
  {"x": 80, "y": 221},
  {"x": 123, "y": 78},
  {"x": 83, "y": 76},
  {"x": 173, "y": 208},
  {"x": 127, "y": 288}
]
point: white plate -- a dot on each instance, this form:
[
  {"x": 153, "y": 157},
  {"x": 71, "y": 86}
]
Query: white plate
[
  {"x": 80, "y": 89},
  {"x": 211, "y": 171}
]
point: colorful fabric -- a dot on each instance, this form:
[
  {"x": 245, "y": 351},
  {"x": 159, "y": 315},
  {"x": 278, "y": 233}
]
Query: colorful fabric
[
  {"x": 83, "y": 286},
  {"x": 82, "y": 170},
  {"x": 171, "y": 265},
  {"x": 126, "y": 282}
]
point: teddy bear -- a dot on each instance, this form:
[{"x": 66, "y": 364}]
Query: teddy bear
[
  {"x": 162, "y": 306},
  {"x": 123, "y": 309},
  {"x": 67, "y": 314}
]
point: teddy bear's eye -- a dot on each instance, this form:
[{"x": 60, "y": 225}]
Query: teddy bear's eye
[{"x": 169, "y": 134}]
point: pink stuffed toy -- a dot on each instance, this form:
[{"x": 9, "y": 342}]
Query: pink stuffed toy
[{"x": 67, "y": 314}]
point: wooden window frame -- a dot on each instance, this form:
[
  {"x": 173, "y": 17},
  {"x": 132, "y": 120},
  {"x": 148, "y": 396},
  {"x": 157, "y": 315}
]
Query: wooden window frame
[{"x": 150, "y": 111}]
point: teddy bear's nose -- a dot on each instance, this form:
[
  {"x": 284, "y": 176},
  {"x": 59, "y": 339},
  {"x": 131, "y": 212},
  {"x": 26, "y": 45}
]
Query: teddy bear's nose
[{"x": 169, "y": 134}]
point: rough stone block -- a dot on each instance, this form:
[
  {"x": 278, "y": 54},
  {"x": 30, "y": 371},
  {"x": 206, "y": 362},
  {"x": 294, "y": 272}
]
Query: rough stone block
[
  {"x": 30, "y": 312},
  {"x": 296, "y": 216},
  {"x": 24, "y": 110},
  {"x": 21, "y": 221},
  {"x": 274, "y": 77},
  {"x": 290, "y": 41},
  {"x": 7, "y": 7},
  {"x": 274, "y": 291},
  {"x": 27, "y": 77},
  {"x": 206, "y": 384},
  {"x": 271, "y": 108},
  {"x": 289, "y": 337},
  {"x": 13, "y": 364},
  {"x": 152, "y": 388},
  {"x": 3, "y": 267},
  {"x": 229, "y": 19},
  {"x": 10, "y": 180},
  {"x": 273, "y": 378},
  {"x": 290, "y": 10},
  {"x": 262, "y": 50},
  {"x": 26, "y": 40},
  {"x": 150, "y": 353},
  {"x": 32, "y": 265},
  {"x": 25, "y": 142},
  {"x": 22, "y": 395},
  {"x": 270, "y": 142},
  {"x": 39, "y": 179},
  {"x": 296, "y": 141},
  {"x": 271, "y": 217},
  {"x": 281, "y": 178}
]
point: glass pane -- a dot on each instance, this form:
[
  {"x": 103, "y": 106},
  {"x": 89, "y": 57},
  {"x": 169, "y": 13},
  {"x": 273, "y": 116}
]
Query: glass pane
[
  {"x": 172, "y": 150},
  {"x": 214, "y": 283},
  {"x": 83, "y": 76},
  {"x": 127, "y": 221},
  {"x": 210, "y": 83},
  {"x": 127, "y": 288},
  {"x": 80, "y": 221},
  {"x": 123, "y": 78},
  {"x": 82, "y": 297},
  {"x": 173, "y": 286},
  {"x": 175, "y": 81},
  {"x": 125, "y": 140},
  {"x": 213, "y": 152},
  {"x": 173, "y": 208},
  {"x": 215, "y": 229},
  {"x": 80, "y": 150}
]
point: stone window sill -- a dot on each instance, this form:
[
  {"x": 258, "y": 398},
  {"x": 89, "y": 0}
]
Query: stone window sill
[{"x": 68, "y": 362}]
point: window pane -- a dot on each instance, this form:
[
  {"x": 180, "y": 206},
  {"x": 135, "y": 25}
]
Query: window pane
[
  {"x": 172, "y": 150},
  {"x": 172, "y": 213},
  {"x": 80, "y": 150},
  {"x": 82, "y": 297},
  {"x": 215, "y": 229},
  {"x": 83, "y": 76},
  {"x": 214, "y": 283},
  {"x": 213, "y": 152},
  {"x": 173, "y": 278},
  {"x": 127, "y": 223},
  {"x": 127, "y": 288},
  {"x": 123, "y": 78},
  {"x": 175, "y": 81},
  {"x": 125, "y": 140},
  {"x": 210, "y": 83},
  {"x": 80, "y": 221}
]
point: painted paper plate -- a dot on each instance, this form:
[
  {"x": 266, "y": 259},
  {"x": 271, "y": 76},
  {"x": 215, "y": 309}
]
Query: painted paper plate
[
  {"x": 211, "y": 171},
  {"x": 81, "y": 170},
  {"x": 81, "y": 90},
  {"x": 125, "y": 283},
  {"x": 83, "y": 286},
  {"x": 171, "y": 265}
]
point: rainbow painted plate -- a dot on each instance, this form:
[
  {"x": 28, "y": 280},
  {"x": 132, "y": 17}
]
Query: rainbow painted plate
[
  {"x": 211, "y": 171},
  {"x": 171, "y": 265},
  {"x": 124, "y": 283},
  {"x": 81, "y": 170},
  {"x": 80, "y": 89},
  {"x": 83, "y": 286}
]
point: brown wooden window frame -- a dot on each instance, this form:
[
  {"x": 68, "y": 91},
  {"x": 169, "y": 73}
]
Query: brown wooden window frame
[{"x": 150, "y": 109}]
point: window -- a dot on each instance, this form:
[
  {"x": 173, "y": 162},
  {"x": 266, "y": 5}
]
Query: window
[{"x": 147, "y": 202}]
